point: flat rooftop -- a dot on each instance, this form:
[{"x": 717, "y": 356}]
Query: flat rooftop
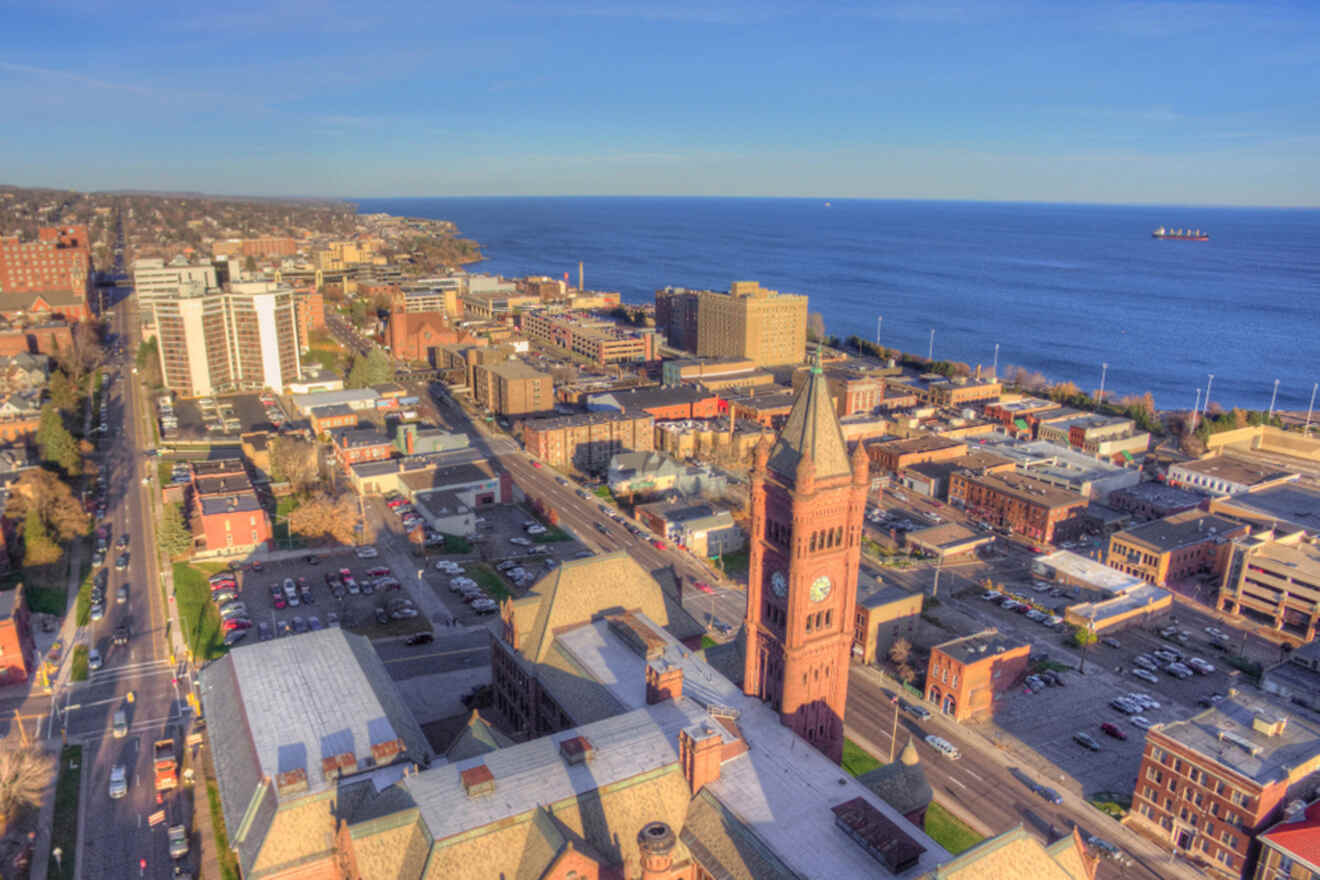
[
  {"x": 1303, "y": 558},
  {"x": 1028, "y": 489},
  {"x": 970, "y": 649},
  {"x": 1289, "y": 503},
  {"x": 925, "y": 443},
  {"x": 1161, "y": 495},
  {"x": 513, "y": 370},
  {"x": 788, "y": 803},
  {"x": 1144, "y": 596},
  {"x": 240, "y": 502},
  {"x": 949, "y": 536},
  {"x": 1232, "y": 469},
  {"x": 577, "y": 420},
  {"x": 1180, "y": 530},
  {"x": 1225, "y": 735},
  {"x": 1080, "y": 568},
  {"x": 886, "y": 595}
]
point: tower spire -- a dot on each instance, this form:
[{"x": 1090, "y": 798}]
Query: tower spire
[{"x": 812, "y": 430}]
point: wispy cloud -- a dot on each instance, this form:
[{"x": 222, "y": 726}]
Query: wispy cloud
[{"x": 72, "y": 76}]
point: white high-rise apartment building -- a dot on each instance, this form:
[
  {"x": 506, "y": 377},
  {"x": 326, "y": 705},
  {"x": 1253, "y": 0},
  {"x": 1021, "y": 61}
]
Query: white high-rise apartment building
[{"x": 214, "y": 340}]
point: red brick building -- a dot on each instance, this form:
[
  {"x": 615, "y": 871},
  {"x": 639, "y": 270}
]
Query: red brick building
[
  {"x": 332, "y": 417},
  {"x": 965, "y": 675},
  {"x": 663, "y": 404},
  {"x": 588, "y": 441},
  {"x": 1208, "y": 785},
  {"x": 225, "y": 511},
  {"x": 19, "y": 428},
  {"x": 353, "y": 445},
  {"x": 808, "y": 498},
  {"x": 309, "y": 305},
  {"x": 50, "y": 275},
  {"x": 40, "y": 339},
  {"x": 895, "y": 455},
  {"x": 16, "y": 644},
  {"x": 1021, "y": 504},
  {"x": 415, "y": 336}
]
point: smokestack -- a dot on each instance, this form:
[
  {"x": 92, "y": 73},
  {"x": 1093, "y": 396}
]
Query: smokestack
[{"x": 581, "y": 289}]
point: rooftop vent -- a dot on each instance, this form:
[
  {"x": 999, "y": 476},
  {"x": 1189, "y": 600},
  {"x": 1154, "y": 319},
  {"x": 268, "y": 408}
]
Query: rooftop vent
[
  {"x": 385, "y": 752},
  {"x": 478, "y": 781},
  {"x": 577, "y": 750},
  {"x": 291, "y": 782},
  {"x": 338, "y": 765},
  {"x": 1268, "y": 724}
]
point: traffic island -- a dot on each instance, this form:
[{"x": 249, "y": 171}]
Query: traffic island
[{"x": 64, "y": 823}]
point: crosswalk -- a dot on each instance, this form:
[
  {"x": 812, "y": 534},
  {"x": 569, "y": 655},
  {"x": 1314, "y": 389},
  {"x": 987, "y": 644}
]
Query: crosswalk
[{"x": 131, "y": 670}]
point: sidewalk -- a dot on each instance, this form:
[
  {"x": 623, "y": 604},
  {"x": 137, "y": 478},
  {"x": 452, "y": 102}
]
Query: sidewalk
[
  {"x": 1139, "y": 847},
  {"x": 208, "y": 864},
  {"x": 41, "y": 845}
]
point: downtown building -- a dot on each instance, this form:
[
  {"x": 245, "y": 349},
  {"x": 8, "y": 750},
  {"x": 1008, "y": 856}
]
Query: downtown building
[
  {"x": 52, "y": 275},
  {"x": 764, "y": 326},
  {"x": 212, "y": 340},
  {"x": 1208, "y": 785}
]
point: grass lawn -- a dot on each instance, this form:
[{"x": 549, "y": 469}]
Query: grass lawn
[
  {"x": 457, "y": 544},
  {"x": 78, "y": 672},
  {"x": 604, "y": 492},
  {"x": 228, "y": 863},
  {"x": 489, "y": 581},
  {"x": 46, "y": 600},
  {"x": 283, "y": 537},
  {"x": 84, "y": 607},
  {"x": 707, "y": 642},
  {"x": 857, "y": 760},
  {"x": 734, "y": 563},
  {"x": 949, "y": 831},
  {"x": 1111, "y": 803},
  {"x": 197, "y": 615},
  {"x": 65, "y": 822}
]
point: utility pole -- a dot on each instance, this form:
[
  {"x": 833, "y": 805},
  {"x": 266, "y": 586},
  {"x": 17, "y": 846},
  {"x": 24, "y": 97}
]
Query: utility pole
[
  {"x": 935, "y": 587},
  {"x": 1274, "y": 397},
  {"x": 879, "y": 320},
  {"x": 1104, "y": 368},
  {"x": 1196, "y": 408},
  {"x": 1206, "y": 407},
  {"x": 1306, "y": 431},
  {"x": 994, "y": 370},
  {"x": 893, "y": 733},
  {"x": 930, "y": 352}
]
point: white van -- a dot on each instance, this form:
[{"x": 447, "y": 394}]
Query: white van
[{"x": 943, "y": 746}]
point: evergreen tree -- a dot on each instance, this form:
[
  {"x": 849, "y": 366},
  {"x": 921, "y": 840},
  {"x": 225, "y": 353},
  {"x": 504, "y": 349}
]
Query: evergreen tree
[
  {"x": 56, "y": 444},
  {"x": 173, "y": 535}
]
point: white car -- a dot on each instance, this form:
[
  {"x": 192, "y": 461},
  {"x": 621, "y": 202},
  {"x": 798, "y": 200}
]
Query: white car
[
  {"x": 366, "y": 553},
  {"x": 992, "y": 596},
  {"x": 1146, "y": 675},
  {"x": 1141, "y": 721},
  {"x": 118, "y": 782}
]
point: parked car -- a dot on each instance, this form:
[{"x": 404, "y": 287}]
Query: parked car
[
  {"x": 943, "y": 746},
  {"x": 235, "y": 623},
  {"x": 1111, "y": 642},
  {"x": 421, "y": 638},
  {"x": 1086, "y": 740},
  {"x": 1113, "y": 730},
  {"x": 121, "y": 596},
  {"x": 379, "y": 571},
  {"x": 1146, "y": 675},
  {"x": 366, "y": 553},
  {"x": 1140, "y": 721},
  {"x": 264, "y": 631},
  {"x": 277, "y": 596},
  {"x": 921, "y": 713}
]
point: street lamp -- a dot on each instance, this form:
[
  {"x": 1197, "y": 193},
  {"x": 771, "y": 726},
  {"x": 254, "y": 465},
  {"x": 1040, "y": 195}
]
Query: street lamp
[
  {"x": 930, "y": 352},
  {"x": 1104, "y": 368},
  {"x": 1273, "y": 398},
  {"x": 1211, "y": 381}
]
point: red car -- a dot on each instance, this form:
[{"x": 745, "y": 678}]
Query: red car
[
  {"x": 703, "y": 586},
  {"x": 345, "y": 573},
  {"x": 1113, "y": 730},
  {"x": 379, "y": 571},
  {"x": 223, "y": 585},
  {"x": 537, "y": 465},
  {"x": 659, "y": 545},
  {"x": 236, "y": 623},
  {"x": 277, "y": 596},
  {"x": 395, "y": 502}
]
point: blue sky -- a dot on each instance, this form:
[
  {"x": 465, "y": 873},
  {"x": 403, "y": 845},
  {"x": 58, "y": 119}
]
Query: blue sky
[{"x": 1167, "y": 102}]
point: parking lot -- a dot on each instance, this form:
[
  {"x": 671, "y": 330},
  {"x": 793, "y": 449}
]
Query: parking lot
[
  {"x": 314, "y": 592},
  {"x": 1046, "y": 717}
]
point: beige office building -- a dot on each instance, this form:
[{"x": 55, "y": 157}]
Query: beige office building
[
  {"x": 214, "y": 341},
  {"x": 512, "y": 388},
  {"x": 763, "y": 326}
]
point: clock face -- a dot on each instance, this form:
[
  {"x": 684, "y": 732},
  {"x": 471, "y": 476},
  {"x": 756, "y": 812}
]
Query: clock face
[
  {"x": 820, "y": 588},
  {"x": 779, "y": 584}
]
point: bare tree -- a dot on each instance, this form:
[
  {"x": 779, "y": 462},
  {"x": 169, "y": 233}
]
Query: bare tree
[
  {"x": 900, "y": 652},
  {"x": 906, "y": 674},
  {"x": 815, "y": 327},
  {"x": 324, "y": 517},
  {"x": 294, "y": 461},
  {"x": 23, "y": 777}
]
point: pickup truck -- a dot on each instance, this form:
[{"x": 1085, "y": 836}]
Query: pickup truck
[{"x": 167, "y": 765}]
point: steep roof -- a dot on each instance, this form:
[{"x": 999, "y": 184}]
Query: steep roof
[
  {"x": 582, "y": 589},
  {"x": 812, "y": 432},
  {"x": 902, "y": 784},
  {"x": 725, "y": 845},
  {"x": 1016, "y": 854},
  {"x": 476, "y": 738}
]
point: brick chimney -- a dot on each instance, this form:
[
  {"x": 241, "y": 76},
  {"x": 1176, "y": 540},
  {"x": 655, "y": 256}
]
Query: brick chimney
[
  {"x": 656, "y": 843},
  {"x": 699, "y": 752},
  {"x": 664, "y": 681}
]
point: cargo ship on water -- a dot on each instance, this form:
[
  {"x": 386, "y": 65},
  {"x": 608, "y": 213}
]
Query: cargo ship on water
[{"x": 1181, "y": 234}]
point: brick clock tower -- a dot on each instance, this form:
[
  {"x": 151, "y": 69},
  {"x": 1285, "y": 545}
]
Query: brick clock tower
[{"x": 808, "y": 503}]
